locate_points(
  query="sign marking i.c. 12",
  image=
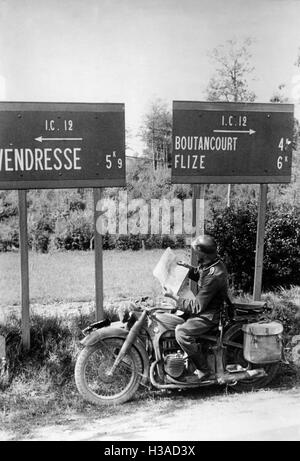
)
(232, 142)
(78, 145)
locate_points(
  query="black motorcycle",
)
(141, 349)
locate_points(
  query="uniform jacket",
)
(212, 291)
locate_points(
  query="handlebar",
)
(159, 308)
(156, 308)
(140, 305)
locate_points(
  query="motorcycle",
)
(141, 349)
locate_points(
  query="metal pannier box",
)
(263, 342)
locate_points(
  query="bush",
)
(149, 242)
(153, 241)
(8, 204)
(167, 241)
(129, 242)
(9, 234)
(235, 232)
(282, 249)
(108, 241)
(40, 231)
(180, 241)
(146, 183)
(75, 232)
(285, 309)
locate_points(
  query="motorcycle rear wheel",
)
(92, 378)
(235, 355)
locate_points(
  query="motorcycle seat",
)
(250, 306)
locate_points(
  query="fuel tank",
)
(169, 321)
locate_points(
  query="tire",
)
(235, 355)
(90, 373)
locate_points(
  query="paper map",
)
(168, 272)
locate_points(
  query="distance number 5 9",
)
(109, 161)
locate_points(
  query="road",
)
(271, 415)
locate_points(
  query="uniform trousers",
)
(186, 335)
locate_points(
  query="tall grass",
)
(39, 384)
(285, 307)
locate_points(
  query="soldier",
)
(204, 311)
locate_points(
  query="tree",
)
(156, 132)
(288, 193)
(279, 94)
(229, 83)
(296, 95)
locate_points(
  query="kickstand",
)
(228, 385)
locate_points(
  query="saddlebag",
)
(263, 342)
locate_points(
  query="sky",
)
(134, 51)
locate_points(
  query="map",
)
(169, 274)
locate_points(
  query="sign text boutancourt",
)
(222, 142)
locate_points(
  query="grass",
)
(26, 406)
(31, 403)
(70, 276)
(41, 389)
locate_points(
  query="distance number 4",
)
(283, 143)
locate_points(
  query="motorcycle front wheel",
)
(92, 376)
(234, 355)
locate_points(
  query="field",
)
(70, 276)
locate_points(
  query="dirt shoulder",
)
(205, 414)
(262, 415)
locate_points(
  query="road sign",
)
(61, 145)
(232, 142)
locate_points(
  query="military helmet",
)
(205, 243)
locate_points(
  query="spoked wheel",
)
(92, 376)
(234, 355)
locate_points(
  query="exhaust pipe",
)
(175, 385)
(228, 378)
(225, 378)
(158, 385)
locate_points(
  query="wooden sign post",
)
(2, 348)
(98, 258)
(259, 253)
(233, 143)
(55, 146)
(197, 223)
(25, 316)
(2, 355)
